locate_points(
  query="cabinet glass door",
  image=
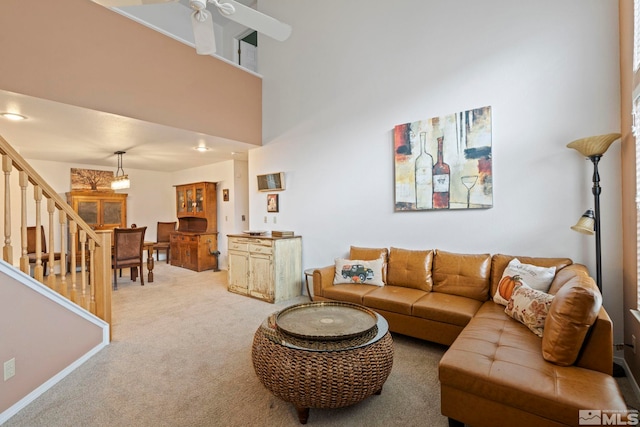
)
(190, 201)
(199, 199)
(88, 211)
(181, 200)
(112, 213)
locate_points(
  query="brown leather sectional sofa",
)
(496, 372)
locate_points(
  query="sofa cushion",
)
(572, 312)
(499, 262)
(463, 275)
(369, 254)
(396, 299)
(564, 275)
(498, 359)
(530, 307)
(535, 277)
(358, 271)
(348, 293)
(446, 308)
(410, 269)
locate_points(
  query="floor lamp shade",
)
(586, 223)
(594, 145)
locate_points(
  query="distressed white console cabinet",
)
(264, 267)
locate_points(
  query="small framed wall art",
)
(225, 194)
(272, 203)
(90, 179)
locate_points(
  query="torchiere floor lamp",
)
(593, 148)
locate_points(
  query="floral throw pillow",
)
(530, 307)
(535, 277)
(358, 271)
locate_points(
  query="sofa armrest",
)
(597, 349)
(323, 279)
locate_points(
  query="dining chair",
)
(127, 252)
(31, 248)
(163, 236)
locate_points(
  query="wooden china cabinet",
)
(195, 243)
(100, 210)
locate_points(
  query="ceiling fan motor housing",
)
(198, 4)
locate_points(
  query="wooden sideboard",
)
(195, 243)
(267, 268)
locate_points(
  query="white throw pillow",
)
(358, 271)
(538, 278)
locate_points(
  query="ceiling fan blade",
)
(124, 3)
(204, 37)
(260, 22)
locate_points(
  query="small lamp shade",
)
(594, 145)
(585, 224)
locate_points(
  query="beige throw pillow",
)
(529, 307)
(358, 272)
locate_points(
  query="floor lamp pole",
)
(596, 190)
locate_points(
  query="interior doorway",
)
(246, 50)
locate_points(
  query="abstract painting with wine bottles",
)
(444, 162)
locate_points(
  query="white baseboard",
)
(22, 403)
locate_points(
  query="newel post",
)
(7, 250)
(103, 277)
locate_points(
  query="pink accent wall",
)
(80, 53)
(43, 337)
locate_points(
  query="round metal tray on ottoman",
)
(323, 355)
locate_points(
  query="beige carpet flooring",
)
(181, 356)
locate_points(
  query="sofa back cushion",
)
(565, 275)
(573, 310)
(370, 254)
(410, 269)
(499, 262)
(463, 275)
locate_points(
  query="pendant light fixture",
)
(121, 181)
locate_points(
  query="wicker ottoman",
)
(322, 373)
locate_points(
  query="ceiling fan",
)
(202, 21)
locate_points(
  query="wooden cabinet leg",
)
(303, 414)
(455, 423)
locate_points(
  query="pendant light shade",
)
(121, 180)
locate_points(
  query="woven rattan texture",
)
(328, 379)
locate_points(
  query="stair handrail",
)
(34, 178)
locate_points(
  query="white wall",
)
(353, 70)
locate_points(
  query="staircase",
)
(83, 272)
